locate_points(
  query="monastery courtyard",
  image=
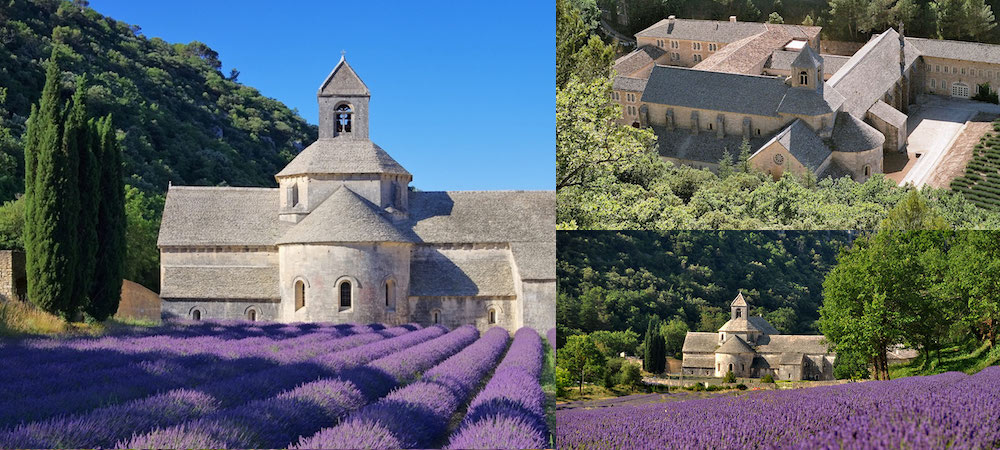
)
(942, 134)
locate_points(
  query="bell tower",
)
(739, 308)
(807, 70)
(343, 104)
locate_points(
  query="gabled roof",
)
(785, 343)
(214, 216)
(700, 342)
(807, 59)
(809, 102)
(890, 115)
(717, 91)
(762, 324)
(342, 155)
(343, 81)
(739, 300)
(639, 58)
(699, 361)
(851, 134)
(871, 72)
(791, 358)
(802, 143)
(782, 60)
(535, 260)
(734, 345)
(629, 84)
(957, 50)
(720, 31)
(343, 217)
(482, 217)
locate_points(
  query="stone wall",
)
(13, 284)
(218, 310)
(538, 305)
(137, 302)
(944, 72)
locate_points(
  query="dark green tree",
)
(52, 204)
(105, 292)
(81, 138)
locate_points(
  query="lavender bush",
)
(417, 416)
(510, 410)
(950, 410)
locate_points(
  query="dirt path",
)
(953, 162)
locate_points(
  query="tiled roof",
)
(750, 54)
(717, 91)
(342, 155)
(461, 273)
(803, 144)
(782, 60)
(958, 50)
(628, 84)
(851, 134)
(719, 31)
(807, 58)
(762, 324)
(482, 216)
(343, 217)
(785, 343)
(704, 147)
(535, 260)
(637, 59)
(235, 282)
(886, 112)
(734, 345)
(739, 300)
(791, 358)
(700, 342)
(807, 102)
(699, 361)
(215, 216)
(871, 72)
(738, 325)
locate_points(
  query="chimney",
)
(670, 19)
(732, 19)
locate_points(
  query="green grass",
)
(24, 319)
(968, 359)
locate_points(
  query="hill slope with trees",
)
(178, 117)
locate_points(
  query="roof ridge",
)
(228, 188)
(860, 54)
(766, 77)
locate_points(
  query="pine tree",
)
(107, 283)
(52, 207)
(82, 141)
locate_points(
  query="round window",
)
(779, 158)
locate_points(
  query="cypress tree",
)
(659, 352)
(649, 356)
(107, 284)
(82, 141)
(53, 204)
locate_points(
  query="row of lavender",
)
(950, 410)
(272, 406)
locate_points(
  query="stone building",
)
(344, 239)
(705, 86)
(13, 281)
(750, 347)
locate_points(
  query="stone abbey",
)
(345, 239)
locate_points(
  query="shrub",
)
(767, 379)
(714, 387)
(698, 387)
(741, 387)
(729, 378)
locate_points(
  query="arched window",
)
(343, 119)
(493, 316)
(738, 313)
(196, 314)
(803, 78)
(390, 294)
(300, 294)
(868, 170)
(436, 316)
(345, 294)
(730, 367)
(252, 315)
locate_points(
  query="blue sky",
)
(463, 93)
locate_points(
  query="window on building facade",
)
(252, 315)
(963, 71)
(343, 116)
(493, 316)
(436, 316)
(696, 46)
(674, 44)
(390, 294)
(697, 58)
(868, 170)
(196, 314)
(713, 47)
(675, 56)
(300, 294)
(710, 125)
(345, 294)
(803, 78)
(933, 83)
(937, 68)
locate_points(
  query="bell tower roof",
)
(807, 59)
(343, 81)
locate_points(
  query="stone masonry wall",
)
(13, 285)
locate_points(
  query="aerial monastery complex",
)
(345, 239)
(705, 86)
(749, 346)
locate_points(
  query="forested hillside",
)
(618, 280)
(178, 117)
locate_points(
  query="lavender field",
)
(950, 410)
(268, 385)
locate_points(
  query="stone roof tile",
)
(217, 216)
(719, 31)
(535, 260)
(621, 83)
(717, 91)
(957, 50)
(802, 143)
(734, 345)
(700, 342)
(871, 72)
(637, 59)
(785, 343)
(342, 155)
(851, 134)
(482, 216)
(343, 217)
